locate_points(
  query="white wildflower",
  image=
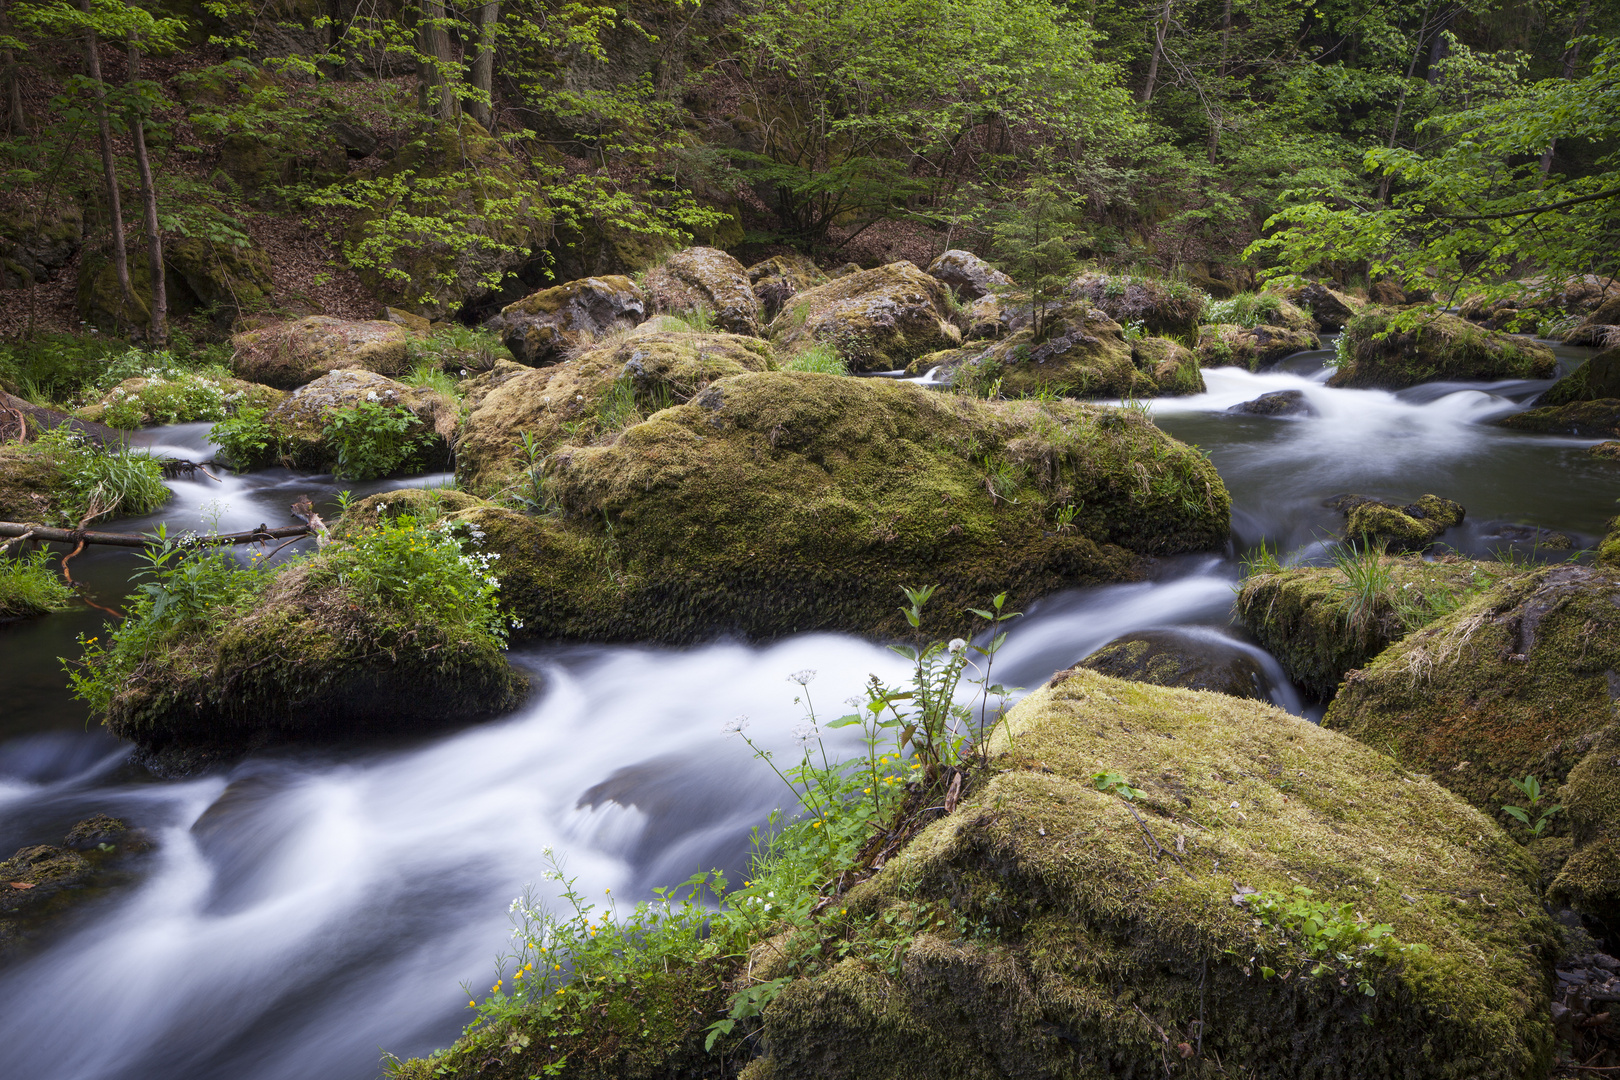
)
(802, 677)
(735, 725)
(956, 645)
(805, 733)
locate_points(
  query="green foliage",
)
(100, 481)
(243, 439)
(1245, 309)
(1035, 240)
(1366, 580)
(372, 439)
(29, 586)
(1112, 783)
(457, 349)
(1262, 559)
(822, 357)
(52, 368)
(1336, 941)
(1530, 787)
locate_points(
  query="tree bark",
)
(158, 333)
(483, 68)
(15, 122)
(1161, 27)
(1400, 104)
(1214, 120)
(115, 210)
(434, 95)
(1572, 60)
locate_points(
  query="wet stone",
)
(1188, 659)
(1277, 403)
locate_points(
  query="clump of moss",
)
(1160, 307)
(176, 398)
(42, 881)
(1385, 350)
(1084, 355)
(1413, 527)
(1257, 348)
(1051, 928)
(1519, 681)
(1321, 622)
(1173, 367)
(1594, 380)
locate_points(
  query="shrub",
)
(372, 439)
(457, 348)
(243, 439)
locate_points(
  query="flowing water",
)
(306, 909)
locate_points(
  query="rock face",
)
(219, 279)
(1331, 309)
(780, 502)
(1378, 354)
(1598, 378)
(1412, 527)
(1320, 625)
(649, 369)
(1183, 658)
(1049, 899)
(878, 320)
(708, 278)
(1584, 419)
(1162, 307)
(1520, 681)
(1277, 403)
(287, 355)
(780, 278)
(541, 328)
(1256, 348)
(1084, 355)
(299, 422)
(969, 276)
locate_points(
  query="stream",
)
(309, 908)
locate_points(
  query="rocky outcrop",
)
(1161, 307)
(780, 278)
(1260, 309)
(1257, 348)
(1173, 367)
(1190, 659)
(37, 242)
(1412, 527)
(969, 276)
(543, 327)
(1330, 308)
(877, 320)
(289, 354)
(220, 281)
(709, 279)
(1383, 351)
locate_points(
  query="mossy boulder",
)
(1173, 367)
(780, 278)
(705, 277)
(967, 275)
(1412, 527)
(1261, 309)
(1330, 308)
(1046, 929)
(1277, 403)
(572, 401)
(1519, 681)
(878, 320)
(158, 399)
(1600, 329)
(298, 424)
(289, 354)
(220, 281)
(1386, 351)
(1190, 659)
(543, 327)
(308, 661)
(1585, 419)
(38, 241)
(780, 502)
(1257, 348)
(31, 484)
(1320, 624)
(1597, 378)
(1161, 307)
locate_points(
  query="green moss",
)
(1609, 550)
(1519, 681)
(176, 399)
(1162, 307)
(1407, 528)
(1585, 419)
(32, 487)
(1597, 378)
(296, 429)
(1047, 935)
(1085, 355)
(878, 320)
(706, 278)
(1309, 619)
(289, 354)
(1179, 658)
(1173, 367)
(1389, 351)
(1256, 348)
(30, 587)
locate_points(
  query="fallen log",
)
(136, 540)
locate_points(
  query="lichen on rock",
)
(969, 276)
(287, 355)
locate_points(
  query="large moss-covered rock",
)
(1320, 624)
(599, 393)
(708, 278)
(1162, 307)
(1597, 378)
(543, 327)
(780, 278)
(308, 660)
(1600, 329)
(1598, 419)
(1190, 659)
(1412, 527)
(1385, 351)
(878, 320)
(220, 281)
(1254, 347)
(967, 275)
(1046, 929)
(38, 241)
(1520, 681)
(1173, 367)
(779, 502)
(31, 484)
(298, 424)
(289, 354)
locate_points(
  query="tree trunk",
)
(1400, 104)
(1161, 27)
(136, 118)
(1572, 60)
(483, 68)
(434, 94)
(1214, 118)
(15, 123)
(334, 37)
(115, 210)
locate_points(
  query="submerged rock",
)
(705, 277)
(1380, 353)
(1278, 403)
(599, 394)
(877, 320)
(541, 328)
(1584, 419)
(1607, 450)
(1412, 527)
(1161, 307)
(1048, 927)
(1519, 681)
(780, 278)
(42, 882)
(969, 276)
(289, 354)
(1184, 658)
(1257, 348)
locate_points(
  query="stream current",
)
(306, 909)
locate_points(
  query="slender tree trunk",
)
(1161, 27)
(334, 37)
(1214, 118)
(115, 210)
(15, 123)
(483, 68)
(1400, 104)
(136, 119)
(433, 86)
(1572, 60)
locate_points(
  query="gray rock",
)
(969, 276)
(542, 327)
(1277, 403)
(1189, 659)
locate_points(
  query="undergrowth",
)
(100, 481)
(29, 586)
